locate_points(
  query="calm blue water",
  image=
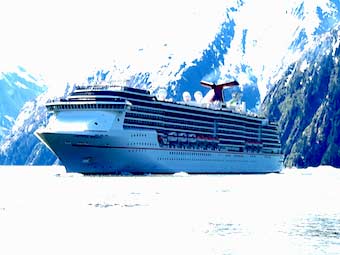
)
(43, 210)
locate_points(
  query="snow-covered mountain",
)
(255, 44)
(21, 146)
(267, 40)
(16, 88)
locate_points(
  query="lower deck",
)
(115, 154)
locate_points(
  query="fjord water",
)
(44, 210)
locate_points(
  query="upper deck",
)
(108, 88)
(122, 97)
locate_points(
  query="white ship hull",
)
(113, 130)
(138, 152)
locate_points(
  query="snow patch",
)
(304, 65)
(21, 85)
(266, 48)
(9, 118)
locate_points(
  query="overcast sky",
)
(64, 39)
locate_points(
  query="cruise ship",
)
(118, 129)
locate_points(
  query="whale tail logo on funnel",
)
(216, 92)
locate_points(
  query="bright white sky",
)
(67, 39)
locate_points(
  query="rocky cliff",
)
(306, 104)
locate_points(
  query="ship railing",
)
(74, 105)
(56, 100)
(101, 86)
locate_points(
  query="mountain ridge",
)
(306, 104)
(17, 87)
(237, 52)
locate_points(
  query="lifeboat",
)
(162, 138)
(201, 139)
(182, 137)
(192, 138)
(172, 137)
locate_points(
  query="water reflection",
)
(318, 230)
(223, 229)
(319, 226)
(303, 235)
